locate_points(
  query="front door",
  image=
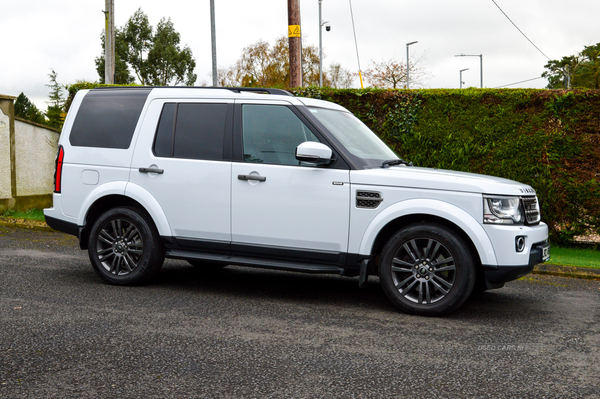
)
(282, 208)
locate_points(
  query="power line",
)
(516, 83)
(515, 25)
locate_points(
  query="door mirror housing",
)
(314, 152)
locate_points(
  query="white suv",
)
(232, 176)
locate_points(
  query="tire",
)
(124, 247)
(426, 269)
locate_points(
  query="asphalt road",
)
(250, 333)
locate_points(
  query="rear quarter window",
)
(107, 118)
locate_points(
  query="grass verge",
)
(579, 257)
(30, 214)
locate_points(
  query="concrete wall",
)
(27, 156)
(35, 153)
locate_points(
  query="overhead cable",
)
(515, 25)
(516, 83)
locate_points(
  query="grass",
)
(579, 257)
(31, 214)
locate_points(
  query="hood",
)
(439, 179)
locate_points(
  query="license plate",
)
(545, 252)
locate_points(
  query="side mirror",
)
(313, 152)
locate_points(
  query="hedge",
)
(549, 139)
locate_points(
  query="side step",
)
(253, 262)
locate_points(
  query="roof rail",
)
(259, 90)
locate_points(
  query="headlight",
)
(502, 210)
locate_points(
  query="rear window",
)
(107, 118)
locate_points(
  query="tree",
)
(391, 74)
(339, 77)
(122, 73)
(590, 67)
(581, 70)
(261, 65)
(170, 63)
(55, 112)
(25, 109)
(156, 58)
(137, 35)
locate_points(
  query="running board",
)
(253, 262)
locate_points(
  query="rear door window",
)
(193, 131)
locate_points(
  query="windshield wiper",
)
(393, 162)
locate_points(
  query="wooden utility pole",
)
(213, 36)
(295, 43)
(109, 42)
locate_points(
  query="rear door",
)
(184, 161)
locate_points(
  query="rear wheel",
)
(124, 247)
(426, 269)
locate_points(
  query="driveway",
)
(249, 333)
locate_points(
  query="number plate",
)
(545, 252)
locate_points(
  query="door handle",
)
(252, 177)
(152, 170)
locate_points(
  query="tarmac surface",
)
(253, 333)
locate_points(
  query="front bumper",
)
(538, 253)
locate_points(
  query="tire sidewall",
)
(465, 270)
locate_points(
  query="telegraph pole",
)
(295, 43)
(109, 42)
(214, 43)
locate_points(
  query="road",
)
(250, 333)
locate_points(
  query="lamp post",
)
(461, 81)
(328, 28)
(408, 66)
(480, 64)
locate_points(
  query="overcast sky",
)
(64, 35)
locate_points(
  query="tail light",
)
(58, 169)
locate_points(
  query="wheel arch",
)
(428, 211)
(140, 200)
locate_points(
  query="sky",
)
(64, 35)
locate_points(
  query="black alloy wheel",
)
(427, 269)
(124, 247)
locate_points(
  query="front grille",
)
(368, 199)
(532, 209)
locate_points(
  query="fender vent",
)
(368, 199)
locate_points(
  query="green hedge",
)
(549, 139)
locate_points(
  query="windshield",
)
(364, 145)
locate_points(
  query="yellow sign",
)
(294, 31)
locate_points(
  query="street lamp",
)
(327, 28)
(461, 81)
(480, 64)
(408, 66)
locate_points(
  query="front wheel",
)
(426, 269)
(124, 247)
